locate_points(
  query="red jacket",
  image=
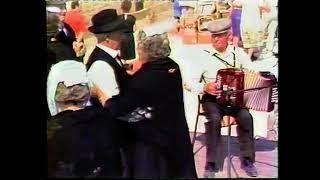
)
(77, 21)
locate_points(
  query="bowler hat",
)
(106, 21)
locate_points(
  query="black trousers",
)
(142, 160)
(215, 113)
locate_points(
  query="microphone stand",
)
(228, 94)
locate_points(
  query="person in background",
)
(177, 9)
(270, 18)
(57, 50)
(128, 50)
(77, 21)
(235, 13)
(250, 24)
(177, 12)
(66, 35)
(139, 5)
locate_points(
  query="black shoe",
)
(249, 168)
(209, 170)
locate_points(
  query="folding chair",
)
(227, 121)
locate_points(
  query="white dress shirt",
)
(102, 74)
(210, 65)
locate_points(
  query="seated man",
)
(81, 140)
(223, 56)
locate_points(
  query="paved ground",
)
(266, 158)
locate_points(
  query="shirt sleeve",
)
(102, 75)
(244, 59)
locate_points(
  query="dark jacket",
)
(128, 44)
(85, 141)
(120, 73)
(68, 38)
(139, 5)
(56, 52)
(158, 84)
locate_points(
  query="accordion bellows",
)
(263, 99)
(256, 99)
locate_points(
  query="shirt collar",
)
(113, 53)
(229, 50)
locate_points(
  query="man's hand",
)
(79, 48)
(211, 88)
(136, 65)
(96, 92)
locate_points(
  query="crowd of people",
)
(254, 22)
(110, 118)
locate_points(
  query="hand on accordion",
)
(212, 88)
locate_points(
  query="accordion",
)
(247, 89)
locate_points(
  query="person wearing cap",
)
(160, 144)
(81, 140)
(222, 56)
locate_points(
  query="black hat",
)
(106, 21)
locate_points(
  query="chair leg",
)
(229, 148)
(195, 131)
(195, 127)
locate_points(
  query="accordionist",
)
(223, 56)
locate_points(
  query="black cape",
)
(84, 141)
(159, 84)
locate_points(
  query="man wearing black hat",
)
(223, 56)
(104, 65)
(105, 69)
